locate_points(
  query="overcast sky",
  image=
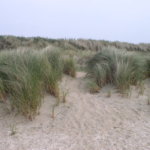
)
(122, 20)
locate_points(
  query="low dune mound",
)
(102, 121)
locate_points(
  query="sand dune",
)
(84, 122)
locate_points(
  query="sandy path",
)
(85, 122)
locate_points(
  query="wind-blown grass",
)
(69, 67)
(93, 87)
(55, 59)
(55, 73)
(24, 76)
(120, 68)
(21, 85)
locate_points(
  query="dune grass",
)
(24, 77)
(118, 67)
(55, 73)
(93, 87)
(69, 67)
(22, 82)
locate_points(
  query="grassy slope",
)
(25, 75)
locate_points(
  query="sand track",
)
(85, 122)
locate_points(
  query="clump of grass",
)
(93, 87)
(64, 95)
(54, 106)
(56, 61)
(52, 84)
(55, 72)
(25, 75)
(69, 67)
(126, 93)
(101, 66)
(23, 88)
(120, 68)
(13, 130)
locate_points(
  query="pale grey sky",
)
(123, 20)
